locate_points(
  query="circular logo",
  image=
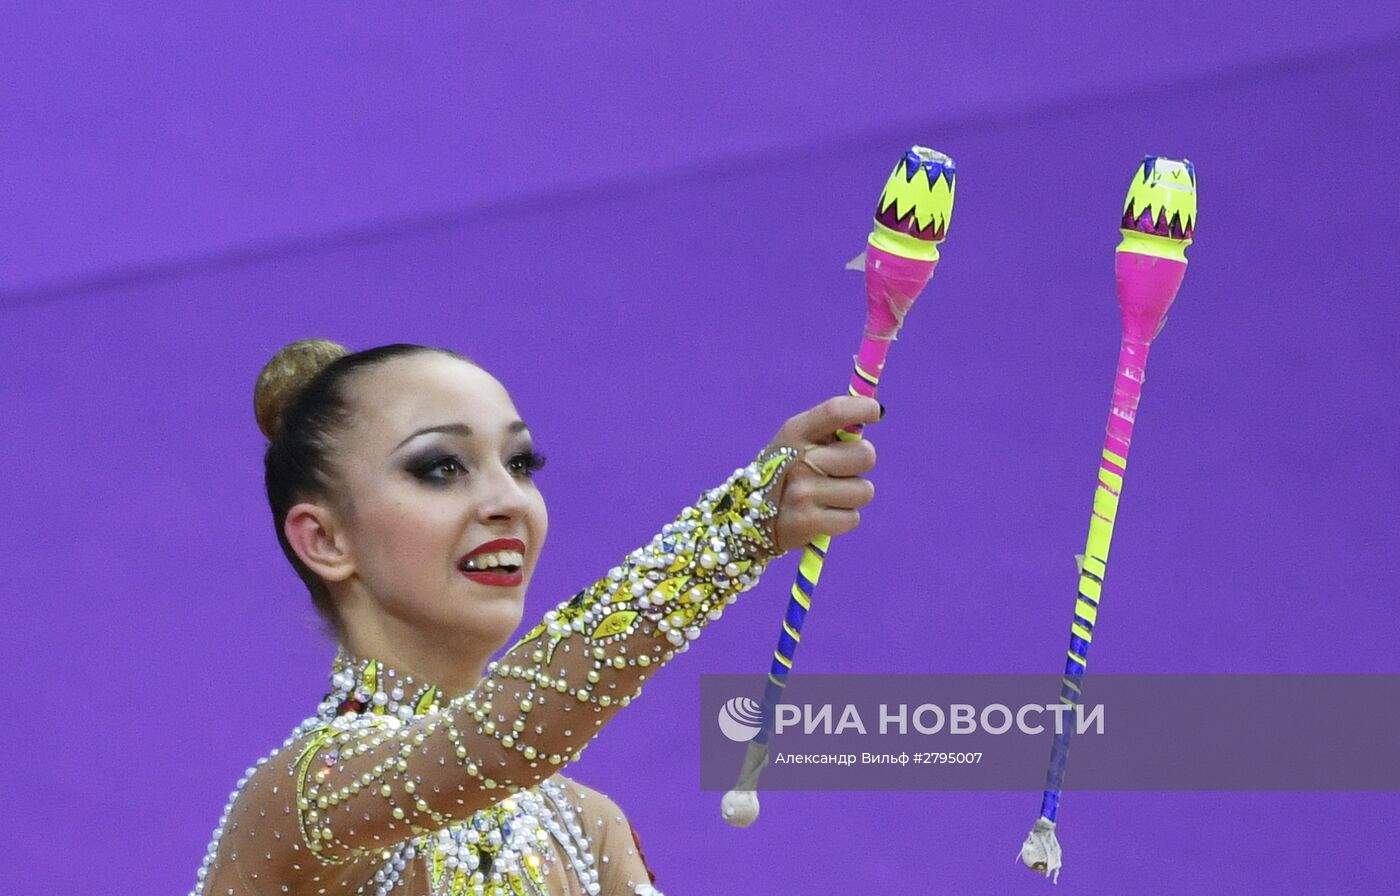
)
(740, 719)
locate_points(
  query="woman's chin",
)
(495, 617)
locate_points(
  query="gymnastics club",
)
(911, 219)
(1159, 222)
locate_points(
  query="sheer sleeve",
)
(612, 843)
(364, 782)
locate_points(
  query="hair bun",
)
(283, 377)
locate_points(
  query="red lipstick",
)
(501, 576)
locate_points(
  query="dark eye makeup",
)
(438, 467)
(527, 463)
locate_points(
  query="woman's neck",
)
(455, 665)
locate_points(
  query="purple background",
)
(578, 192)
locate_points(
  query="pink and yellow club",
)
(911, 219)
(1158, 223)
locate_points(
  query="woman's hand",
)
(822, 492)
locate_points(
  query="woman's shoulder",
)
(597, 813)
(613, 838)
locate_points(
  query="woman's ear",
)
(314, 532)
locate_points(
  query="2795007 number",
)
(947, 758)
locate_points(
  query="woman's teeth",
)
(492, 561)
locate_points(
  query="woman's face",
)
(437, 503)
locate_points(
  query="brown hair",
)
(301, 402)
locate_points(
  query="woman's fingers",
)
(815, 493)
(818, 425)
(823, 493)
(838, 522)
(844, 494)
(841, 458)
(797, 527)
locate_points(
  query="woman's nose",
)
(501, 496)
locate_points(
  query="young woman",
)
(400, 482)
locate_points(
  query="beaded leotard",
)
(390, 788)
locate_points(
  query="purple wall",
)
(185, 191)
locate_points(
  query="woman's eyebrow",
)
(460, 429)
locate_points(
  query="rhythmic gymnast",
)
(401, 484)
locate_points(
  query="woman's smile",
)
(499, 562)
